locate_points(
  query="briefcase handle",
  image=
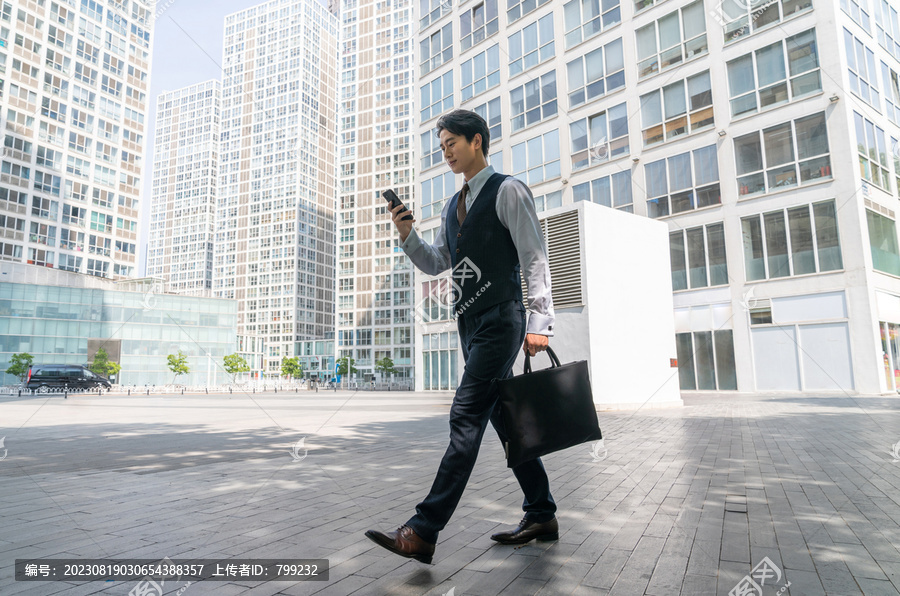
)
(554, 361)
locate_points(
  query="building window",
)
(550, 200)
(481, 72)
(435, 192)
(671, 40)
(706, 360)
(47, 183)
(770, 159)
(609, 191)
(586, 18)
(98, 268)
(793, 241)
(775, 74)
(677, 109)
(887, 28)
(531, 45)
(70, 263)
(478, 23)
(537, 159)
(596, 73)
(39, 256)
(516, 9)
(46, 208)
(858, 11)
(683, 182)
(863, 75)
(891, 93)
(599, 137)
(895, 152)
(431, 150)
(437, 96)
(101, 222)
(883, 243)
(745, 18)
(534, 101)
(432, 10)
(16, 170)
(698, 257)
(490, 111)
(873, 163)
(436, 49)
(439, 358)
(42, 234)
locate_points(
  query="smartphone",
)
(390, 196)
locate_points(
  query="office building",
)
(185, 172)
(73, 100)
(772, 158)
(376, 132)
(61, 317)
(275, 214)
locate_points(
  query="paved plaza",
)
(727, 495)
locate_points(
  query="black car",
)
(46, 377)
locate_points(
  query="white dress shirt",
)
(515, 210)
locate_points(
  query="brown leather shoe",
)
(404, 542)
(527, 531)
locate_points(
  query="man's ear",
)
(477, 140)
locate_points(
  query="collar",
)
(477, 182)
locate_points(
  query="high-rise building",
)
(275, 221)
(73, 99)
(773, 160)
(376, 153)
(185, 172)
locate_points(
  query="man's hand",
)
(404, 227)
(535, 343)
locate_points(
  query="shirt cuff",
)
(539, 324)
(412, 242)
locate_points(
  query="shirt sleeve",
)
(515, 209)
(430, 258)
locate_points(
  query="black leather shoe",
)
(404, 542)
(528, 531)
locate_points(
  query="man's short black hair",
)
(468, 124)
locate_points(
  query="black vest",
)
(484, 258)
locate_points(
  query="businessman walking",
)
(489, 234)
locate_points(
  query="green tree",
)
(102, 365)
(234, 364)
(178, 364)
(385, 366)
(345, 366)
(114, 369)
(19, 364)
(291, 367)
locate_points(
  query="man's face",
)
(459, 153)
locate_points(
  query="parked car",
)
(45, 377)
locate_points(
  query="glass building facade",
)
(56, 323)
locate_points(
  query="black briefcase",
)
(547, 410)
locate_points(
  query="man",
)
(489, 232)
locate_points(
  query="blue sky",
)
(187, 49)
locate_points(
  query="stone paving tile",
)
(687, 500)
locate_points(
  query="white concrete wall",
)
(626, 328)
